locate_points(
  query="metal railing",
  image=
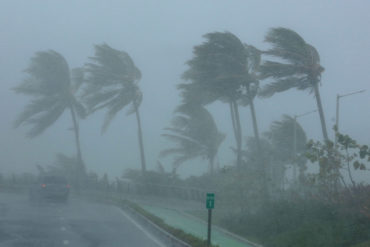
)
(179, 192)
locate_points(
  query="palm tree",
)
(112, 84)
(289, 140)
(298, 67)
(66, 166)
(196, 135)
(217, 72)
(251, 84)
(53, 88)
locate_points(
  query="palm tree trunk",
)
(140, 136)
(239, 134)
(321, 112)
(254, 120)
(261, 162)
(76, 131)
(81, 171)
(233, 120)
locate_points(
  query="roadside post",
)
(210, 204)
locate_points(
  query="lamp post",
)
(337, 112)
(295, 141)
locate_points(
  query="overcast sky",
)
(159, 36)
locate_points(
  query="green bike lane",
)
(196, 226)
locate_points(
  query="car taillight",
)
(43, 185)
(68, 186)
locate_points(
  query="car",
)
(50, 187)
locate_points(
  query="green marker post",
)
(210, 204)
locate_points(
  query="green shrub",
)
(301, 223)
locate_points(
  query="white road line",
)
(149, 235)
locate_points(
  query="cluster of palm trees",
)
(109, 81)
(223, 69)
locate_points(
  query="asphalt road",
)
(75, 223)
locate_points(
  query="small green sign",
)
(210, 202)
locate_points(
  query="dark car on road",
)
(50, 187)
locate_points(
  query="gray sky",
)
(159, 36)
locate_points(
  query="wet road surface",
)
(75, 223)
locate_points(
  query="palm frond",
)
(282, 136)
(177, 131)
(280, 70)
(194, 133)
(77, 78)
(179, 160)
(253, 58)
(111, 83)
(96, 101)
(171, 151)
(278, 86)
(183, 140)
(36, 106)
(301, 62)
(287, 44)
(49, 72)
(217, 68)
(115, 105)
(44, 120)
(111, 65)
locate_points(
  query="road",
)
(75, 223)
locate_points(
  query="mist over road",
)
(76, 223)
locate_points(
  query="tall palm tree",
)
(53, 89)
(251, 84)
(196, 135)
(112, 84)
(217, 72)
(289, 140)
(298, 67)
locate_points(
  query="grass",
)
(189, 238)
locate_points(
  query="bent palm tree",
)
(251, 84)
(53, 90)
(289, 140)
(196, 135)
(217, 72)
(112, 84)
(299, 67)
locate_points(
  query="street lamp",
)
(295, 140)
(337, 112)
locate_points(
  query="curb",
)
(226, 232)
(164, 236)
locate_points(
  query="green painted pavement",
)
(193, 226)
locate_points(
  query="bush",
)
(302, 222)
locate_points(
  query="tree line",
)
(222, 69)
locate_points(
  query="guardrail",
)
(180, 192)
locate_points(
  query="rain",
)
(184, 123)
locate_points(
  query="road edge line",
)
(147, 233)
